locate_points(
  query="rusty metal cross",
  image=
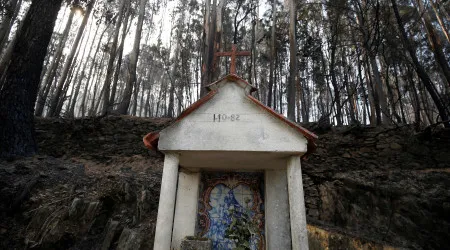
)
(233, 54)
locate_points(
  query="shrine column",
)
(297, 208)
(276, 207)
(164, 223)
(186, 206)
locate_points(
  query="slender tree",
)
(293, 76)
(131, 81)
(112, 57)
(426, 81)
(53, 110)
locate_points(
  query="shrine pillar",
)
(297, 208)
(186, 206)
(278, 226)
(166, 206)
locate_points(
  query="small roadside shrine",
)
(232, 173)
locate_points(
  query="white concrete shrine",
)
(229, 131)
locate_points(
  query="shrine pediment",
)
(230, 119)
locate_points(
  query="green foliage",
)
(242, 228)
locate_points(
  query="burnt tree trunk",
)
(52, 68)
(22, 77)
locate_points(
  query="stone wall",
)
(384, 184)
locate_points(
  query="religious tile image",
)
(231, 210)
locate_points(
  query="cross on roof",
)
(233, 54)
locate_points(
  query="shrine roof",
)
(232, 78)
(152, 138)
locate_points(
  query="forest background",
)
(336, 62)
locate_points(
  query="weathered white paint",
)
(166, 206)
(186, 206)
(278, 227)
(255, 129)
(297, 209)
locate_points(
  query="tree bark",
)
(293, 75)
(134, 56)
(208, 44)
(272, 56)
(135, 96)
(52, 68)
(21, 79)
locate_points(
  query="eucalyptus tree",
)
(293, 77)
(112, 56)
(53, 109)
(434, 41)
(131, 81)
(422, 74)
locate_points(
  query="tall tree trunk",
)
(84, 105)
(208, 51)
(11, 10)
(7, 54)
(434, 41)
(370, 92)
(441, 22)
(272, 56)
(67, 65)
(380, 97)
(134, 56)
(52, 68)
(141, 101)
(135, 96)
(391, 96)
(115, 80)
(426, 81)
(293, 73)
(63, 98)
(336, 88)
(71, 112)
(399, 94)
(21, 81)
(88, 80)
(112, 57)
(350, 91)
(218, 36)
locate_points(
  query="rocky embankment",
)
(95, 186)
(386, 184)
